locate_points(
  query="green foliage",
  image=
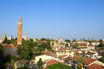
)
(80, 59)
(25, 54)
(79, 66)
(66, 45)
(40, 63)
(29, 49)
(101, 43)
(31, 40)
(12, 41)
(67, 41)
(26, 50)
(75, 46)
(100, 46)
(102, 58)
(44, 46)
(13, 59)
(74, 40)
(2, 58)
(90, 42)
(59, 66)
(6, 41)
(10, 59)
(5, 59)
(19, 49)
(43, 39)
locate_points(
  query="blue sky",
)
(53, 18)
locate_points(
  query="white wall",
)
(43, 57)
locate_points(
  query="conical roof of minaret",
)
(20, 20)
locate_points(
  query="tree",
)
(12, 41)
(79, 66)
(31, 40)
(102, 58)
(2, 58)
(75, 46)
(74, 40)
(40, 63)
(43, 39)
(67, 41)
(25, 54)
(90, 42)
(6, 41)
(80, 59)
(66, 44)
(44, 46)
(10, 60)
(6, 60)
(19, 49)
(28, 49)
(101, 43)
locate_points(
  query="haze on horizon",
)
(53, 18)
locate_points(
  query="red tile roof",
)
(95, 66)
(89, 60)
(8, 46)
(62, 56)
(71, 43)
(47, 52)
(62, 49)
(51, 62)
(82, 44)
(75, 52)
(91, 45)
(75, 58)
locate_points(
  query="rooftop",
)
(95, 66)
(89, 60)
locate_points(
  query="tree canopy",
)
(29, 49)
(2, 58)
(101, 43)
(40, 63)
(67, 41)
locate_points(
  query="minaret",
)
(19, 35)
(25, 36)
(4, 36)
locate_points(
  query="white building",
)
(64, 51)
(1, 41)
(91, 47)
(44, 58)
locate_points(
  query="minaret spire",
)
(25, 37)
(20, 20)
(19, 36)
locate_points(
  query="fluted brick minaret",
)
(19, 35)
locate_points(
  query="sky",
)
(67, 19)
